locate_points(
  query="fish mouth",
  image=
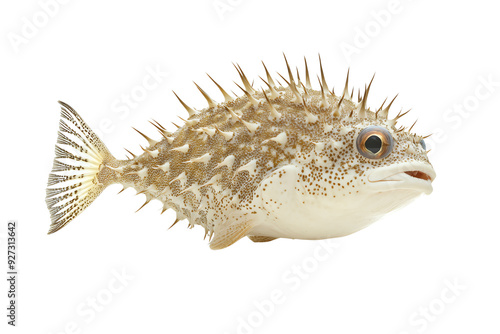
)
(419, 175)
(412, 175)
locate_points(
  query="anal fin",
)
(261, 238)
(227, 234)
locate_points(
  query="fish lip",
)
(408, 175)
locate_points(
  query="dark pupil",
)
(373, 144)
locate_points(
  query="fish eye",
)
(374, 142)
(422, 142)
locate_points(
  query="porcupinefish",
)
(283, 161)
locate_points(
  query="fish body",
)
(282, 162)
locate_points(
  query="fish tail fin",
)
(75, 180)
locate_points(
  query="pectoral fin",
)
(260, 238)
(227, 234)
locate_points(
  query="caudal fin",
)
(73, 183)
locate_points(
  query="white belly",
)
(290, 212)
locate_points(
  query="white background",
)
(392, 277)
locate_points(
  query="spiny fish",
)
(283, 161)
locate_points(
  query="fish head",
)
(347, 178)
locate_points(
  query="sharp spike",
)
(393, 121)
(299, 83)
(251, 127)
(211, 103)
(175, 222)
(274, 112)
(286, 81)
(178, 127)
(227, 97)
(209, 131)
(160, 129)
(181, 178)
(381, 106)
(190, 110)
(336, 111)
(282, 77)
(308, 82)
(147, 201)
(151, 142)
(244, 79)
(323, 81)
(269, 78)
(289, 70)
(132, 154)
(190, 122)
(352, 93)
(158, 125)
(248, 86)
(411, 127)
(363, 109)
(293, 88)
(385, 112)
(323, 98)
(164, 134)
(310, 117)
(227, 135)
(274, 93)
(399, 115)
(233, 114)
(346, 87)
(249, 96)
(153, 154)
(340, 101)
(184, 148)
